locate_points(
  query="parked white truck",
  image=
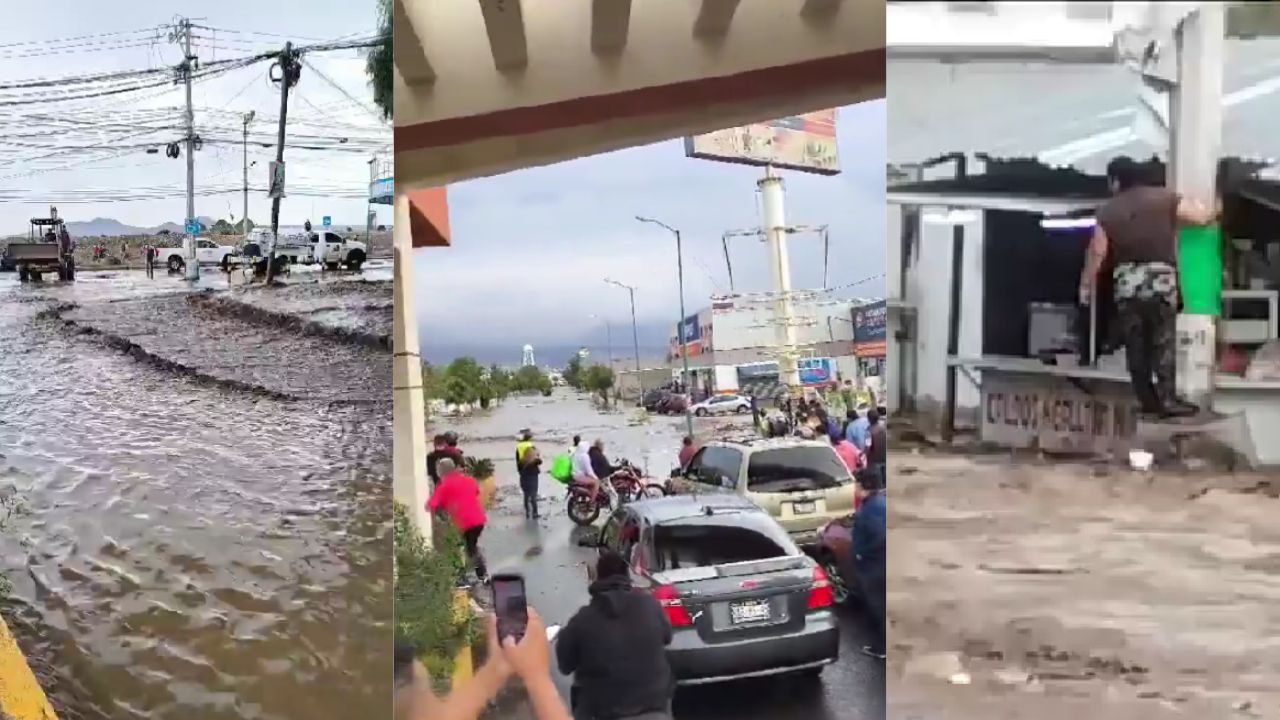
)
(208, 252)
(323, 247)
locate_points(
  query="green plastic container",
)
(1200, 270)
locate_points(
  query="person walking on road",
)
(528, 465)
(458, 497)
(151, 261)
(687, 451)
(615, 647)
(869, 555)
(1137, 231)
(877, 452)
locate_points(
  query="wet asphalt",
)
(548, 553)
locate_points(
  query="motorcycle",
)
(628, 481)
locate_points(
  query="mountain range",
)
(110, 227)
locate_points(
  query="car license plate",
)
(749, 611)
(804, 508)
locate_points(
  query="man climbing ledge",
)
(1138, 226)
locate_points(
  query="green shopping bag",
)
(562, 468)
(1200, 270)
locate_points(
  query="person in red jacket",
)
(458, 497)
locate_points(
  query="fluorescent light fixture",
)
(1061, 223)
(950, 217)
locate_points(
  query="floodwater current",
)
(207, 496)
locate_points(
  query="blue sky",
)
(531, 248)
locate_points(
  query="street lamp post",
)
(635, 334)
(608, 329)
(684, 340)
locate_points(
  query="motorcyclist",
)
(615, 647)
(583, 472)
(600, 462)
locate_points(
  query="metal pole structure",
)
(368, 204)
(188, 66)
(244, 219)
(289, 72)
(635, 333)
(1196, 139)
(953, 315)
(775, 227)
(684, 340)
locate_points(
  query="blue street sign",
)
(326, 221)
(193, 227)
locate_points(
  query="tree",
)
(531, 379)
(598, 379)
(463, 381)
(222, 227)
(500, 382)
(573, 372)
(379, 64)
(432, 382)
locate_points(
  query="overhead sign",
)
(869, 322)
(382, 192)
(799, 142)
(277, 180)
(326, 221)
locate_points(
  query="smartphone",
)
(510, 605)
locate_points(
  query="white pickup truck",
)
(208, 252)
(317, 248)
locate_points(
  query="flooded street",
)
(554, 565)
(208, 496)
(1034, 590)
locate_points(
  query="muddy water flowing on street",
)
(208, 502)
(554, 565)
(1069, 590)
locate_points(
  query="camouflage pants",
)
(1148, 327)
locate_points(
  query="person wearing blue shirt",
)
(869, 555)
(858, 430)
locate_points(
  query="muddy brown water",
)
(1063, 590)
(195, 546)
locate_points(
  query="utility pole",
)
(244, 219)
(368, 203)
(182, 33)
(290, 70)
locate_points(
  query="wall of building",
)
(928, 292)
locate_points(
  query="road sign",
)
(193, 227)
(326, 221)
(277, 180)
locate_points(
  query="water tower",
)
(526, 356)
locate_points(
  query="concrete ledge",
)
(21, 697)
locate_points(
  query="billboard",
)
(816, 371)
(868, 323)
(800, 142)
(382, 191)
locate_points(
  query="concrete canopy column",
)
(409, 416)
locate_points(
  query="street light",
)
(635, 334)
(684, 340)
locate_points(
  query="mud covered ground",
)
(1036, 591)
